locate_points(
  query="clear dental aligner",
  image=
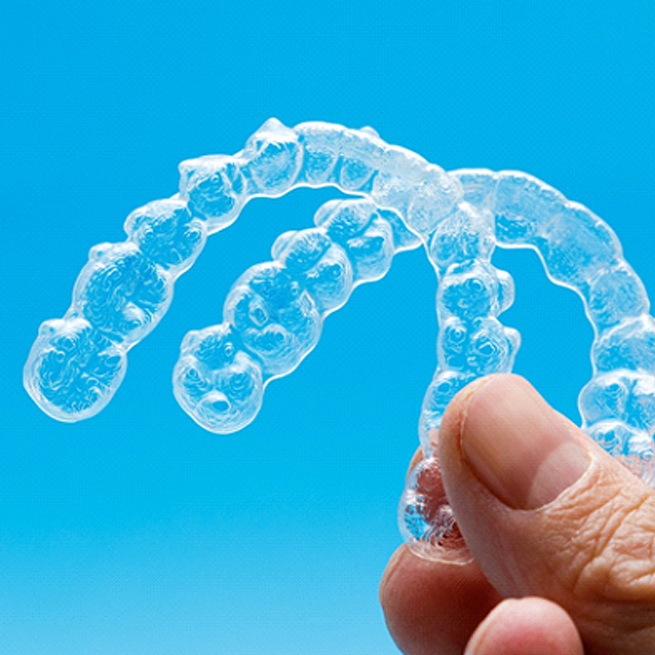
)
(273, 315)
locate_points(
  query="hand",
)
(558, 555)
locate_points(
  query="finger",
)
(546, 512)
(433, 606)
(529, 626)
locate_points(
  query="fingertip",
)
(433, 606)
(448, 444)
(526, 626)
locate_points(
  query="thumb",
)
(546, 512)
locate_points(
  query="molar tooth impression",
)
(273, 315)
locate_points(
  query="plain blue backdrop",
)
(136, 532)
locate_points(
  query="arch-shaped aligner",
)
(274, 312)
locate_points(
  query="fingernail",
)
(519, 447)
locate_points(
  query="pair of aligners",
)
(273, 314)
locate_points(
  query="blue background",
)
(136, 532)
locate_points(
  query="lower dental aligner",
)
(273, 315)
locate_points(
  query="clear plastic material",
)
(273, 315)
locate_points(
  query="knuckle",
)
(611, 552)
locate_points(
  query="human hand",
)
(559, 552)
